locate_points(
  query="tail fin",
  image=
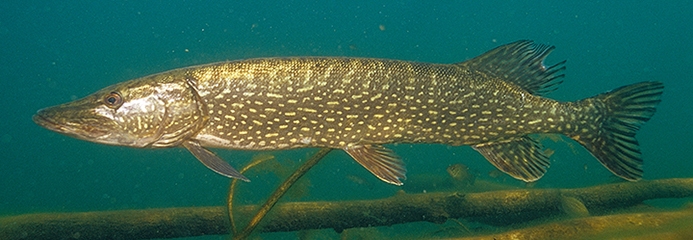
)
(623, 111)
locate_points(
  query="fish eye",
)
(113, 100)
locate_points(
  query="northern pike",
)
(492, 102)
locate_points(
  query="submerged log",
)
(498, 207)
(650, 225)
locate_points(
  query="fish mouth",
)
(44, 119)
(46, 122)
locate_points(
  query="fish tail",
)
(619, 115)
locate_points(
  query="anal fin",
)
(212, 161)
(380, 161)
(521, 158)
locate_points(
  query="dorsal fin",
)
(521, 63)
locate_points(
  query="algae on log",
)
(496, 207)
(650, 225)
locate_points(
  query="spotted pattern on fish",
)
(287, 104)
(491, 102)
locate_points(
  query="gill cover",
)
(155, 111)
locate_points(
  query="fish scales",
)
(284, 103)
(492, 102)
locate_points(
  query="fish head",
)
(154, 111)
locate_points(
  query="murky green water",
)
(55, 52)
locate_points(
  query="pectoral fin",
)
(212, 161)
(521, 158)
(380, 161)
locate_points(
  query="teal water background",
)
(54, 52)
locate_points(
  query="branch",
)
(499, 207)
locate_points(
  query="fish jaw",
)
(155, 111)
(87, 119)
(48, 119)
